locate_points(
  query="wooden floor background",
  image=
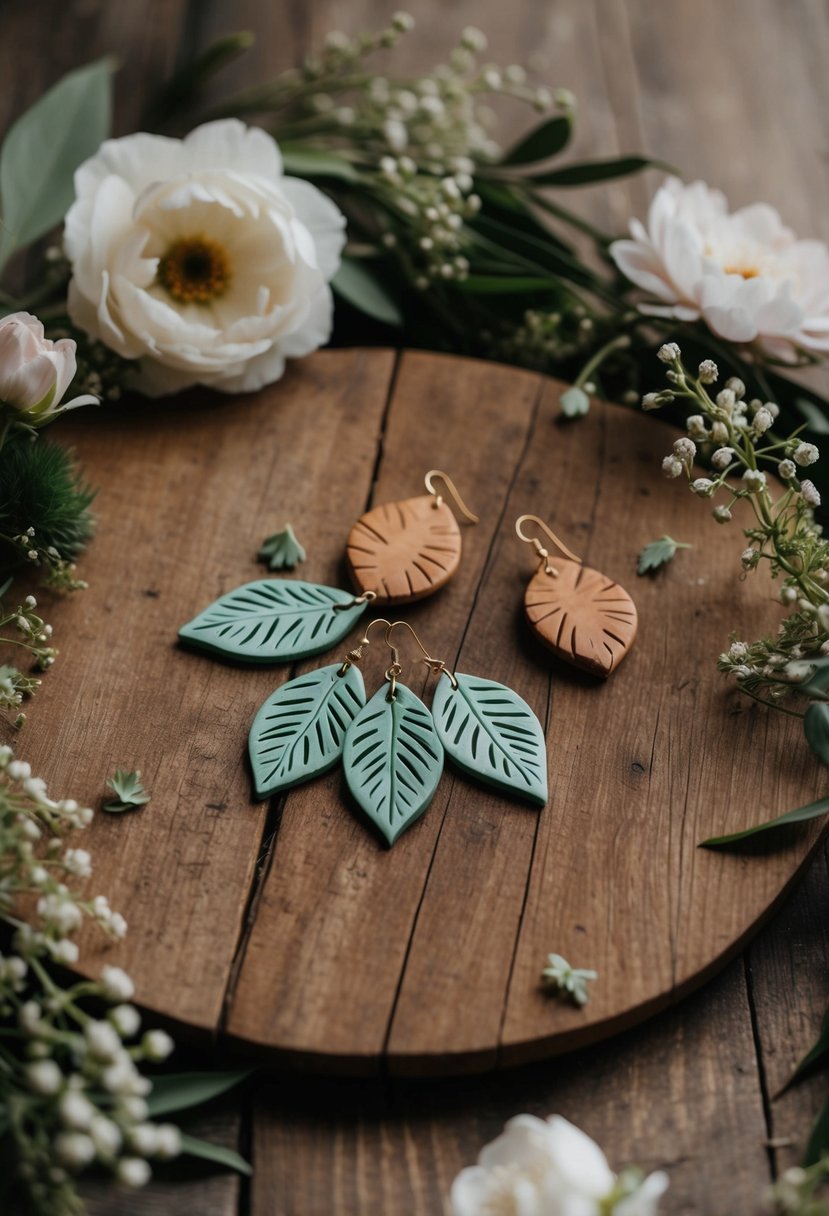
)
(736, 92)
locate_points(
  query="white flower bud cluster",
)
(82, 1065)
(435, 209)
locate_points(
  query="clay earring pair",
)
(583, 616)
(393, 747)
(396, 553)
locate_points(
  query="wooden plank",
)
(187, 492)
(685, 1097)
(647, 766)
(335, 905)
(788, 971)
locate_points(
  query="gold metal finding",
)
(356, 654)
(365, 598)
(453, 490)
(436, 666)
(537, 545)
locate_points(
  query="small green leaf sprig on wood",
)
(560, 976)
(130, 793)
(282, 551)
(658, 553)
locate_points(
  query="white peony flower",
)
(743, 272)
(34, 372)
(197, 258)
(541, 1167)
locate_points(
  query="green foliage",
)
(802, 815)
(41, 488)
(545, 141)
(658, 553)
(366, 292)
(43, 149)
(129, 791)
(816, 727)
(217, 1154)
(172, 1092)
(282, 550)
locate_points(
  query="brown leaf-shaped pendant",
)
(582, 616)
(404, 551)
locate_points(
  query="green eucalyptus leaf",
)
(545, 141)
(531, 252)
(393, 760)
(492, 734)
(218, 1154)
(818, 1144)
(43, 149)
(816, 727)
(308, 162)
(802, 815)
(574, 402)
(811, 675)
(588, 171)
(184, 1090)
(186, 87)
(363, 290)
(299, 731)
(274, 620)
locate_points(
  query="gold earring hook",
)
(436, 666)
(356, 654)
(537, 545)
(453, 490)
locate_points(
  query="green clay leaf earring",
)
(299, 731)
(488, 731)
(275, 621)
(393, 758)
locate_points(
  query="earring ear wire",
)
(436, 666)
(537, 545)
(453, 490)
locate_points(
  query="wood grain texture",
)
(220, 933)
(404, 551)
(187, 492)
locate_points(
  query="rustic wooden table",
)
(733, 93)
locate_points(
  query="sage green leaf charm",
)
(274, 620)
(393, 760)
(492, 734)
(299, 731)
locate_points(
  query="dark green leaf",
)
(504, 285)
(185, 88)
(308, 162)
(585, 172)
(574, 402)
(533, 253)
(507, 202)
(183, 1090)
(816, 727)
(43, 149)
(5, 586)
(802, 815)
(363, 290)
(216, 1153)
(546, 140)
(812, 674)
(819, 1138)
(657, 553)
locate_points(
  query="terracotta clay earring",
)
(407, 550)
(583, 616)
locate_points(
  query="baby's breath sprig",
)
(21, 627)
(736, 438)
(72, 1093)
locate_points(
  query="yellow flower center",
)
(194, 270)
(748, 272)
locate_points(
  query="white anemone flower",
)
(199, 259)
(548, 1167)
(743, 272)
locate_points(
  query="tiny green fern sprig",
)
(735, 437)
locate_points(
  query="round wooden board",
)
(291, 928)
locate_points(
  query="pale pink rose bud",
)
(34, 372)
